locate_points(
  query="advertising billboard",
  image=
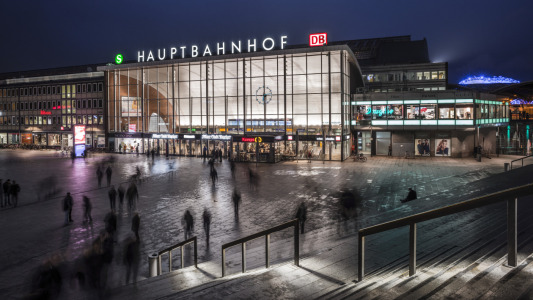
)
(131, 106)
(79, 135)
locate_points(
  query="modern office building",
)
(41, 107)
(256, 106)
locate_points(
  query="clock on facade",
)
(263, 95)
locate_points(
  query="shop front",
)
(256, 149)
(128, 142)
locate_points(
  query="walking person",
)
(121, 192)
(207, 223)
(232, 168)
(131, 255)
(236, 198)
(189, 224)
(87, 207)
(1, 196)
(135, 224)
(214, 175)
(108, 172)
(112, 198)
(132, 195)
(301, 215)
(7, 187)
(14, 191)
(110, 221)
(390, 150)
(67, 208)
(99, 175)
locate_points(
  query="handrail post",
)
(243, 249)
(361, 258)
(297, 244)
(159, 271)
(170, 261)
(512, 259)
(182, 259)
(195, 253)
(412, 249)
(223, 262)
(267, 250)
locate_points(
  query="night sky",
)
(475, 37)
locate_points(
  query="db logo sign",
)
(318, 39)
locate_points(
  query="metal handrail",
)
(522, 159)
(169, 250)
(510, 195)
(265, 233)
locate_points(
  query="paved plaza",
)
(34, 230)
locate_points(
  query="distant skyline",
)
(491, 38)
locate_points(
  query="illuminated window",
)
(442, 75)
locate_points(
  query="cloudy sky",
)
(475, 37)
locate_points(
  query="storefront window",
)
(364, 112)
(412, 111)
(427, 112)
(396, 112)
(446, 112)
(465, 111)
(379, 112)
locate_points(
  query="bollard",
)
(152, 264)
(506, 167)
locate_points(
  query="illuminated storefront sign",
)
(289, 138)
(43, 112)
(189, 136)
(132, 128)
(79, 135)
(248, 139)
(250, 45)
(216, 137)
(318, 39)
(379, 112)
(164, 136)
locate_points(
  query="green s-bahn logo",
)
(119, 59)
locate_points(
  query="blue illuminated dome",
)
(487, 80)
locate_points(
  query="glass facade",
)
(296, 94)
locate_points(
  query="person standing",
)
(1, 196)
(135, 224)
(67, 208)
(121, 192)
(390, 150)
(189, 223)
(99, 175)
(301, 215)
(112, 197)
(108, 172)
(87, 207)
(14, 191)
(7, 188)
(131, 257)
(207, 223)
(132, 194)
(236, 198)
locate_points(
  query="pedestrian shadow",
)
(323, 276)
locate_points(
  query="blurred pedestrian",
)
(135, 224)
(110, 221)
(121, 192)
(7, 187)
(108, 173)
(131, 255)
(87, 207)
(189, 224)
(236, 198)
(214, 175)
(47, 282)
(207, 223)
(232, 167)
(112, 197)
(348, 203)
(1, 196)
(14, 191)
(301, 215)
(99, 175)
(67, 208)
(132, 195)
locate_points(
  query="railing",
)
(169, 250)
(522, 159)
(509, 195)
(265, 233)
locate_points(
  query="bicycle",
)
(359, 157)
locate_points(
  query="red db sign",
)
(318, 39)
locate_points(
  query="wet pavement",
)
(34, 230)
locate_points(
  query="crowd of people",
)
(10, 190)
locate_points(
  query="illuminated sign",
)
(289, 138)
(79, 134)
(165, 136)
(119, 59)
(216, 137)
(132, 128)
(338, 138)
(379, 112)
(45, 112)
(189, 136)
(251, 45)
(79, 150)
(318, 39)
(248, 139)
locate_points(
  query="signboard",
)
(130, 106)
(79, 134)
(79, 150)
(289, 138)
(318, 39)
(442, 148)
(164, 136)
(221, 137)
(132, 127)
(248, 139)
(101, 142)
(43, 112)
(189, 136)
